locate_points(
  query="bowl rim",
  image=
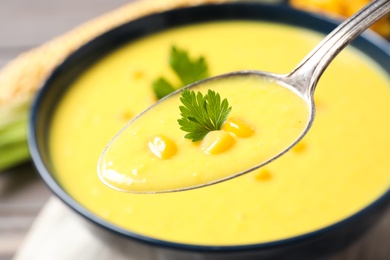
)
(55, 187)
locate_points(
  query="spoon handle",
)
(313, 65)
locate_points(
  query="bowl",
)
(317, 244)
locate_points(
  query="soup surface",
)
(337, 169)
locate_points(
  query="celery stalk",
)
(13, 154)
(13, 133)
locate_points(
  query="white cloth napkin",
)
(59, 234)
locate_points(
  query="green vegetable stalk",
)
(13, 133)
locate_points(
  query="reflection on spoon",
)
(279, 107)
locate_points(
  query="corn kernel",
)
(162, 147)
(126, 116)
(137, 74)
(299, 147)
(217, 142)
(343, 8)
(263, 175)
(238, 127)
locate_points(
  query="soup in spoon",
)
(152, 153)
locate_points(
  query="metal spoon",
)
(302, 80)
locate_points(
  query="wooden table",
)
(28, 23)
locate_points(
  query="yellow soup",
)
(337, 169)
(278, 116)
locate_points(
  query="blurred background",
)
(25, 24)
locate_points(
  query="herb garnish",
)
(187, 70)
(202, 114)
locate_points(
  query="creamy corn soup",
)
(151, 154)
(340, 167)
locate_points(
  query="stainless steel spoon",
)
(303, 79)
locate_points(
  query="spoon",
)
(302, 81)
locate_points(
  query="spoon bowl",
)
(125, 165)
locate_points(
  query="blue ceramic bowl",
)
(313, 245)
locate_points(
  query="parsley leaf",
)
(202, 114)
(188, 71)
(162, 87)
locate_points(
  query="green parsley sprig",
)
(187, 70)
(202, 114)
